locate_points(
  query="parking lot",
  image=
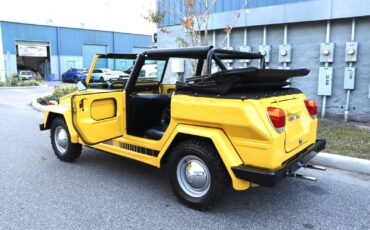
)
(104, 191)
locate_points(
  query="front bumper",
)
(42, 127)
(270, 178)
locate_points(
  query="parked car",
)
(74, 75)
(241, 128)
(121, 74)
(26, 74)
(129, 70)
(104, 74)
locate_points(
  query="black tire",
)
(63, 79)
(72, 150)
(206, 152)
(75, 79)
(102, 79)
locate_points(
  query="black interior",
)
(146, 113)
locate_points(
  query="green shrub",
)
(28, 83)
(13, 80)
(61, 91)
(44, 100)
(57, 93)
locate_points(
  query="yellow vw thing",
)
(212, 128)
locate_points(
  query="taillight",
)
(277, 118)
(311, 106)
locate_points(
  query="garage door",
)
(88, 53)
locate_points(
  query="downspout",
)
(327, 40)
(59, 61)
(346, 110)
(285, 43)
(245, 42)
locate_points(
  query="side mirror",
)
(81, 86)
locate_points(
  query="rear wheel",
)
(196, 173)
(63, 148)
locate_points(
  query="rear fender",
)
(222, 143)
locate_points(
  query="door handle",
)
(82, 105)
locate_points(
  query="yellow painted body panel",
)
(64, 111)
(246, 124)
(240, 129)
(112, 116)
(168, 89)
(218, 137)
(103, 109)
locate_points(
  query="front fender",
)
(222, 143)
(63, 111)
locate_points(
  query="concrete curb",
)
(342, 162)
(23, 87)
(38, 106)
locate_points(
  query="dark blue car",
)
(74, 75)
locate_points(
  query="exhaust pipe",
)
(299, 176)
(311, 166)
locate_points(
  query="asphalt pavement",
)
(104, 191)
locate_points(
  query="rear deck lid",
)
(297, 126)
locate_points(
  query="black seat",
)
(146, 112)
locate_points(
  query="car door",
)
(69, 74)
(98, 117)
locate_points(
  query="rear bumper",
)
(270, 178)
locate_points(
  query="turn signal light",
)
(277, 118)
(52, 103)
(311, 106)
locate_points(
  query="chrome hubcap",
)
(61, 139)
(193, 176)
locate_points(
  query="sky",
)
(112, 15)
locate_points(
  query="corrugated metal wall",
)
(13, 32)
(71, 40)
(220, 6)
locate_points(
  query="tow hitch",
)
(309, 166)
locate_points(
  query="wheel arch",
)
(52, 113)
(219, 140)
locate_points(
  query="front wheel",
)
(63, 148)
(196, 173)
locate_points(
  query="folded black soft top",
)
(243, 79)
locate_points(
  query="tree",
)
(194, 19)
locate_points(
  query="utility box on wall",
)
(351, 51)
(349, 78)
(327, 52)
(325, 81)
(285, 53)
(265, 50)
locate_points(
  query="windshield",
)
(119, 69)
